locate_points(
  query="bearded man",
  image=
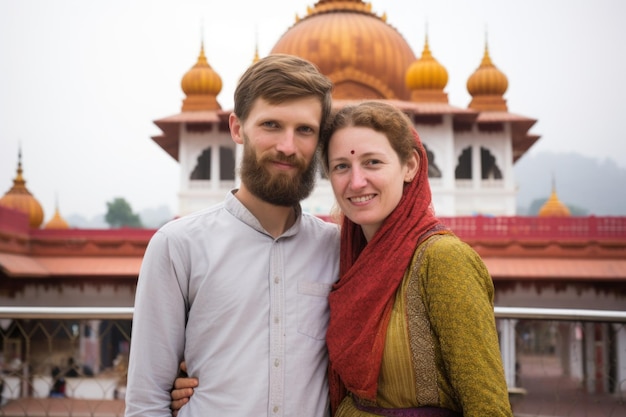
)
(239, 290)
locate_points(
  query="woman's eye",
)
(373, 162)
(340, 167)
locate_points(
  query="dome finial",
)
(19, 177)
(486, 37)
(486, 61)
(201, 56)
(19, 182)
(256, 46)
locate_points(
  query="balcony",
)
(73, 361)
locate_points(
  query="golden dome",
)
(57, 222)
(19, 198)
(201, 84)
(487, 86)
(554, 207)
(427, 78)
(365, 57)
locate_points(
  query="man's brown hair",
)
(279, 78)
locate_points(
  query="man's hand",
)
(182, 390)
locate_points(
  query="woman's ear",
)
(412, 166)
(234, 123)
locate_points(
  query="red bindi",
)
(352, 152)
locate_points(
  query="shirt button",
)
(276, 280)
(276, 363)
(275, 409)
(276, 320)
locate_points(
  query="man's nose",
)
(286, 143)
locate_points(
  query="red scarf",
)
(370, 273)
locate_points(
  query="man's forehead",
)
(309, 108)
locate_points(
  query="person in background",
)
(72, 369)
(412, 330)
(240, 290)
(57, 390)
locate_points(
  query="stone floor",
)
(62, 407)
(549, 393)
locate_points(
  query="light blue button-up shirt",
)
(247, 311)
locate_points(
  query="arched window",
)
(202, 170)
(463, 170)
(227, 163)
(488, 167)
(433, 169)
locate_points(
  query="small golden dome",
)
(19, 198)
(427, 78)
(487, 86)
(57, 222)
(553, 207)
(364, 56)
(201, 84)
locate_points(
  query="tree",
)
(120, 214)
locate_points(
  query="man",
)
(240, 289)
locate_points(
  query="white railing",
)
(126, 313)
(112, 313)
(26, 389)
(560, 314)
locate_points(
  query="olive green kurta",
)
(441, 347)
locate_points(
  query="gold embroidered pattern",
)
(420, 336)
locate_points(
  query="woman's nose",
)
(357, 178)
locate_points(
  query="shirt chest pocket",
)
(313, 311)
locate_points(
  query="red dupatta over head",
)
(370, 274)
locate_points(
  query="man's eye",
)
(270, 124)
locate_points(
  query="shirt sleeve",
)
(458, 293)
(158, 329)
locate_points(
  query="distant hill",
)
(592, 186)
(79, 221)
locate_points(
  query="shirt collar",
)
(237, 209)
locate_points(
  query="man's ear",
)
(235, 128)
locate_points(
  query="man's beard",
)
(280, 189)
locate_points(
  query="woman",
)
(412, 330)
(411, 323)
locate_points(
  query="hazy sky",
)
(81, 82)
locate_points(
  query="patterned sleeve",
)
(458, 294)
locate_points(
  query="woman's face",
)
(367, 176)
